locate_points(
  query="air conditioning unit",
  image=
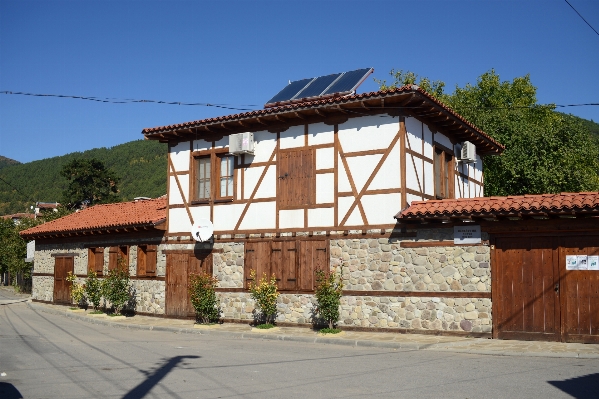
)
(241, 143)
(468, 152)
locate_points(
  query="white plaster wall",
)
(260, 215)
(226, 216)
(178, 221)
(478, 168)
(412, 197)
(319, 133)
(325, 188)
(443, 140)
(180, 156)
(222, 143)
(292, 137)
(264, 144)
(293, 218)
(362, 167)
(367, 133)
(389, 175)
(318, 217)
(268, 187)
(428, 142)
(342, 179)
(200, 145)
(325, 158)
(429, 183)
(413, 176)
(174, 196)
(414, 136)
(381, 208)
(355, 219)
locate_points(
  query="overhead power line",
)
(594, 30)
(127, 100)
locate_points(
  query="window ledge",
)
(200, 202)
(223, 200)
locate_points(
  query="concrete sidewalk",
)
(350, 338)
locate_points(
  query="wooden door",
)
(62, 288)
(179, 267)
(525, 299)
(580, 292)
(313, 256)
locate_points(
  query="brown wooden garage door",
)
(536, 298)
(179, 265)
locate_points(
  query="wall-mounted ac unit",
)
(468, 152)
(241, 143)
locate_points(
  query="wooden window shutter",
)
(276, 263)
(297, 178)
(151, 256)
(257, 257)
(313, 257)
(141, 260)
(91, 260)
(113, 257)
(99, 260)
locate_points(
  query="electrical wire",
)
(128, 100)
(582, 17)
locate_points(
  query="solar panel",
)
(337, 83)
(349, 81)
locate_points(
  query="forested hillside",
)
(140, 165)
(4, 162)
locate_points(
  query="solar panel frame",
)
(290, 91)
(318, 86)
(349, 81)
(328, 85)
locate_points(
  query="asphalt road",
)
(51, 356)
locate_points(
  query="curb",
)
(442, 347)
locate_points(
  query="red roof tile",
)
(318, 103)
(102, 217)
(540, 204)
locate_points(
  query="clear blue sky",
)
(241, 53)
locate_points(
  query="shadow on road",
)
(583, 387)
(8, 391)
(152, 379)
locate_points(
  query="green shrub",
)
(265, 294)
(77, 290)
(330, 331)
(93, 289)
(265, 326)
(329, 287)
(203, 297)
(115, 287)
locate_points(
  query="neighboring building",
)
(16, 217)
(96, 239)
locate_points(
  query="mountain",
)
(141, 166)
(4, 162)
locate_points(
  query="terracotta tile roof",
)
(530, 205)
(320, 103)
(102, 217)
(19, 216)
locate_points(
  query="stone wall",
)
(42, 288)
(384, 265)
(149, 296)
(228, 264)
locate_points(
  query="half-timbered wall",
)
(321, 176)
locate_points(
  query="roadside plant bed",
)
(96, 312)
(329, 331)
(116, 289)
(265, 294)
(265, 326)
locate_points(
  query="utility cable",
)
(582, 17)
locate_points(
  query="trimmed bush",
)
(329, 287)
(203, 298)
(265, 294)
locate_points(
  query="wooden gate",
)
(536, 298)
(62, 288)
(179, 266)
(580, 292)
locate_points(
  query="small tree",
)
(265, 294)
(77, 290)
(328, 293)
(203, 297)
(93, 289)
(115, 287)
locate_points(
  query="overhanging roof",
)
(408, 100)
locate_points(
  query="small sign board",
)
(30, 251)
(593, 262)
(582, 262)
(469, 234)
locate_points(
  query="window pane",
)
(437, 174)
(446, 173)
(226, 176)
(203, 178)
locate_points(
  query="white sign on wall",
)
(593, 262)
(30, 251)
(467, 234)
